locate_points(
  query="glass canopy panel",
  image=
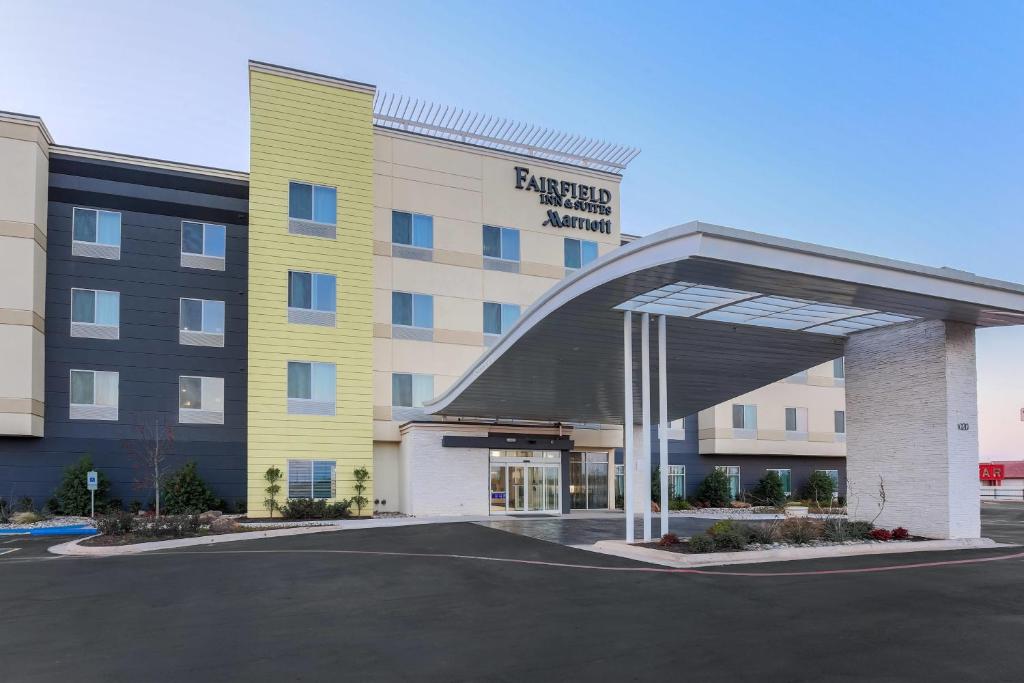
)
(706, 302)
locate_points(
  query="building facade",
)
(300, 315)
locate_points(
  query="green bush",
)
(728, 535)
(173, 526)
(770, 490)
(185, 491)
(679, 504)
(5, 511)
(702, 543)
(819, 488)
(764, 534)
(839, 529)
(859, 530)
(116, 524)
(714, 490)
(72, 494)
(308, 508)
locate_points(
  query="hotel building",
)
(300, 315)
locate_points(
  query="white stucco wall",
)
(442, 481)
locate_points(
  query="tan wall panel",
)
(436, 200)
(425, 277)
(427, 155)
(18, 268)
(514, 288)
(432, 359)
(452, 313)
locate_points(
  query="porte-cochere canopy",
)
(743, 310)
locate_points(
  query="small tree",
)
(272, 476)
(656, 484)
(72, 494)
(362, 476)
(185, 491)
(149, 452)
(714, 490)
(819, 488)
(770, 490)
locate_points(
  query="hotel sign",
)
(566, 195)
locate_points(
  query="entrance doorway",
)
(588, 481)
(526, 482)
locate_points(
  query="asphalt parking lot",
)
(463, 602)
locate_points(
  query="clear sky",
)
(891, 128)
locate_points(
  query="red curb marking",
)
(651, 570)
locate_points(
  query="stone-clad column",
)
(912, 414)
(24, 181)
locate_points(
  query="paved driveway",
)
(588, 528)
(458, 602)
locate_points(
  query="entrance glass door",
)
(516, 489)
(544, 494)
(525, 486)
(588, 481)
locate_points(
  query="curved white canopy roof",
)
(744, 310)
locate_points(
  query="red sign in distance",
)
(990, 472)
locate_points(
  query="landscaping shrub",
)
(679, 504)
(5, 511)
(240, 506)
(770, 490)
(837, 530)
(72, 494)
(26, 504)
(859, 530)
(185, 491)
(900, 534)
(174, 526)
(714, 490)
(135, 507)
(307, 508)
(819, 488)
(669, 539)
(26, 517)
(799, 530)
(702, 543)
(728, 535)
(880, 534)
(764, 534)
(116, 524)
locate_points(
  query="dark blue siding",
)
(148, 357)
(752, 467)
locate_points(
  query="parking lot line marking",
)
(647, 570)
(9, 550)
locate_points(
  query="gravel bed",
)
(50, 522)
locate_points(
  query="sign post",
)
(92, 482)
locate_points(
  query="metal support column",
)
(645, 419)
(627, 423)
(663, 423)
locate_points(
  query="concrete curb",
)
(73, 547)
(683, 561)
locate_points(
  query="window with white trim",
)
(579, 253)
(200, 400)
(201, 322)
(93, 395)
(317, 203)
(311, 479)
(498, 318)
(839, 368)
(796, 423)
(412, 310)
(411, 391)
(95, 313)
(312, 291)
(412, 229)
(676, 481)
(744, 421)
(312, 388)
(96, 227)
(501, 243)
(787, 479)
(733, 474)
(840, 421)
(203, 245)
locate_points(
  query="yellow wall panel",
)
(322, 134)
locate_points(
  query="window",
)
(312, 388)
(840, 423)
(315, 203)
(201, 400)
(96, 233)
(501, 243)
(411, 391)
(787, 480)
(201, 322)
(733, 473)
(839, 368)
(412, 310)
(579, 253)
(676, 481)
(412, 229)
(203, 245)
(95, 313)
(498, 318)
(311, 479)
(744, 421)
(796, 423)
(312, 298)
(94, 395)
(620, 485)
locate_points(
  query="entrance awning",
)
(742, 310)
